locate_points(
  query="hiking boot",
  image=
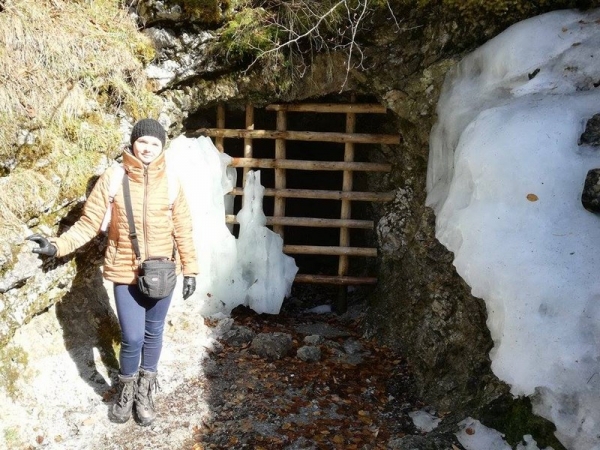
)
(126, 390)
(144, 403)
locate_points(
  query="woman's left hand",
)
(189, 286)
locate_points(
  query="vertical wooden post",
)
(248, 141)
(346, 212)
(220, 124)
(280, 182)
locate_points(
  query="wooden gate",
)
(280, 164)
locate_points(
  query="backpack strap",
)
(115, 182)
(129, 210)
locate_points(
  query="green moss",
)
(514, 418)
(11, 437)
(13, 365)
(143, 49)
(26, 193)
(75, 171)
(206, 11)
(75, 147)
(247, 35)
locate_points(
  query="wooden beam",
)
(298, 164)
(346, 206)
(337, 280)
(328, 250)
(368, 108)
(314, 222)
(324, 195)
(220, 124)
(280, 180)
(312, 136)
(248, 141)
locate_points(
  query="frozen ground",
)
(62, 400)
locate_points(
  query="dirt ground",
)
(343, 401)
(356, 396)
(217, 392)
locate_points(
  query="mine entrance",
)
(313, 162)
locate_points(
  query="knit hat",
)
(148, 127)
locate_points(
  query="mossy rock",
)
(204, 11)
(13, 364)
(514, 418)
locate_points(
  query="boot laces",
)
(127, 393)
(146, 397)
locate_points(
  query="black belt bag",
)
(157, 276)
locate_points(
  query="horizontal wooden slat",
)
(373, 108)
(324, 195)
(263, 163)
(313, 136)
(326, 250)
(331, 279)
(312, 222)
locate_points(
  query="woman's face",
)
(147, 148)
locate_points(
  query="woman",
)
(159, 226)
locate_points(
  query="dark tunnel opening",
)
(307, 179)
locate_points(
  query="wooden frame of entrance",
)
(280, 164)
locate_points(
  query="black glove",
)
(45, 247)
(189, 286)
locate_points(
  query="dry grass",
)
(67, 70)
(65, 67)
(26, 192)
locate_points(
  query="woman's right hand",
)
(45, 247)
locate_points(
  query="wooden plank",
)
(280, 182)
(314, 222)
(248, 141)
(336, 280)
(324, 195)
(345, 212)
(220, 124)
(346, 206)
(329, 250)
(264, 163)
(311, 136)
(366, 108)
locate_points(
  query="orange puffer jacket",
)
(158, 226)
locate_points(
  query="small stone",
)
(238, 337)
(314, 339)
(272, 345)
(591, 134)
(352, 347)
(309, 353)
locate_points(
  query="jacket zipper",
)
(145, 210)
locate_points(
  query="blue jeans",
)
(142, 323)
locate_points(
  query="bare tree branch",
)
(355, 24)
(295, 39)
(304, 28)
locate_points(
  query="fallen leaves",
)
(270, 404)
